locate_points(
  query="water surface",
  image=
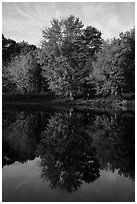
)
(68, 155)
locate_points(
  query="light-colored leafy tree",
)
(68, 48)
(18, 70)
(11, 53)
(25, 72)
(127, 59)
(114, 70)
(106, 76)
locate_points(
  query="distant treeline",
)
(73, 61)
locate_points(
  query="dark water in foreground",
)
(68, 155)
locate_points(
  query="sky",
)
(26, 20)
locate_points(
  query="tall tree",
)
(114, 70)
(67, 43)
(127, 59)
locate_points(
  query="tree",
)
(67, 43)
(114, 70)
(18, 70)
(25, 72)
(7, 83)
(11, 54)
(59, 76)
(107, 76)
(11, 48)
(127, 61)
(81, 56)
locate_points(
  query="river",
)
(68, 155)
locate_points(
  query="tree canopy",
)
(73, 61)
(114, 70)
(69, 48)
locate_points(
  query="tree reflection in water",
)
(67, 155)
(114, 139)
(73, 145)
(21, 135)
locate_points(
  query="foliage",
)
(115, 137)
(127, 61)
(12, 52)
(113, 71)
(107, 77)
(19, 137)
(69, 47)
(18, 70)
(59, 76)
(72, 62)
(11, 48)
(7, 83)
(25, 72)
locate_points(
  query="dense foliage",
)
(21, 71)
(13, 55)
(73, 61)
(69, 50)
(114, 70)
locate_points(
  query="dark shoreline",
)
(45, 101)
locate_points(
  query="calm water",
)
(68, 155)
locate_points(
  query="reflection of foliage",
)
(114, 139)
(17, 139)
(67, 155)
(21, 134)
(71, 144)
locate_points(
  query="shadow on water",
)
(73, 145)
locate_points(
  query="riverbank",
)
(99, 103)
